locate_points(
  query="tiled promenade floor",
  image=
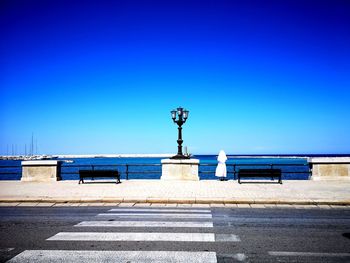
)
(184, 193)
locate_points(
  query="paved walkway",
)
(178, 192)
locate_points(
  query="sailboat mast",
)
(32, 146)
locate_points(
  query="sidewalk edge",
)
(175, 201)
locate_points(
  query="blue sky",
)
(102, 76)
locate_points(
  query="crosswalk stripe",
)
(159, 210)
(130, 236)
(89, 256)
(143, 224)
(158, 215)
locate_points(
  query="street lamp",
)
(182, 116)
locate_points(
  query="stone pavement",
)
(320, 193)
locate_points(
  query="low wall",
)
(330, 168)
(40, 171)
(180, 169)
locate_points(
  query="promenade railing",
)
(142, 170)
(301, 169)
(9, 172)
(125, 170)
(153, 170)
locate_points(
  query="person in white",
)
(221, 168)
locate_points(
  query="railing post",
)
(127, 172)
(271, 165)
(310, 170)
(234, 171)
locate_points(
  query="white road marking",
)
(158, 215)
(227, 238)
(239, 256)
(306, 254)
(143, 224)
(159, 210)
(2, 250)
(130, 236)
(89, 256)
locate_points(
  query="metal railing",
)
(128, 169)
(235, 168)
(10, 172)
(9, 169)
(122, 168)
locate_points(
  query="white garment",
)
(221, 168)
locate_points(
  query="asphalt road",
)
(92, 234)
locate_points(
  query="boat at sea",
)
(27, 158)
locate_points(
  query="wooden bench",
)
(99, 174)
(260, 173)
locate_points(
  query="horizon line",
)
(158, 155)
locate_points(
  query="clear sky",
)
(102, 76)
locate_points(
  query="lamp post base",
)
(180, 169)
(180, 156)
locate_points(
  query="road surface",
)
(173, 234)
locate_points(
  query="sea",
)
(293, 167)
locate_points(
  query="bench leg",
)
(118, 178)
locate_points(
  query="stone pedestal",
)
(183, 169)
(40, 171)
(330, 168)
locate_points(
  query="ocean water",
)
(150, 168)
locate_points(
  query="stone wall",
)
(330, 168)
(40, 171)
(183, 169)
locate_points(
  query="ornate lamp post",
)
(182, 116)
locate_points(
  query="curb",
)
(177, 201)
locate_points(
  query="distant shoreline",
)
(76, 156)
(60, 156)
